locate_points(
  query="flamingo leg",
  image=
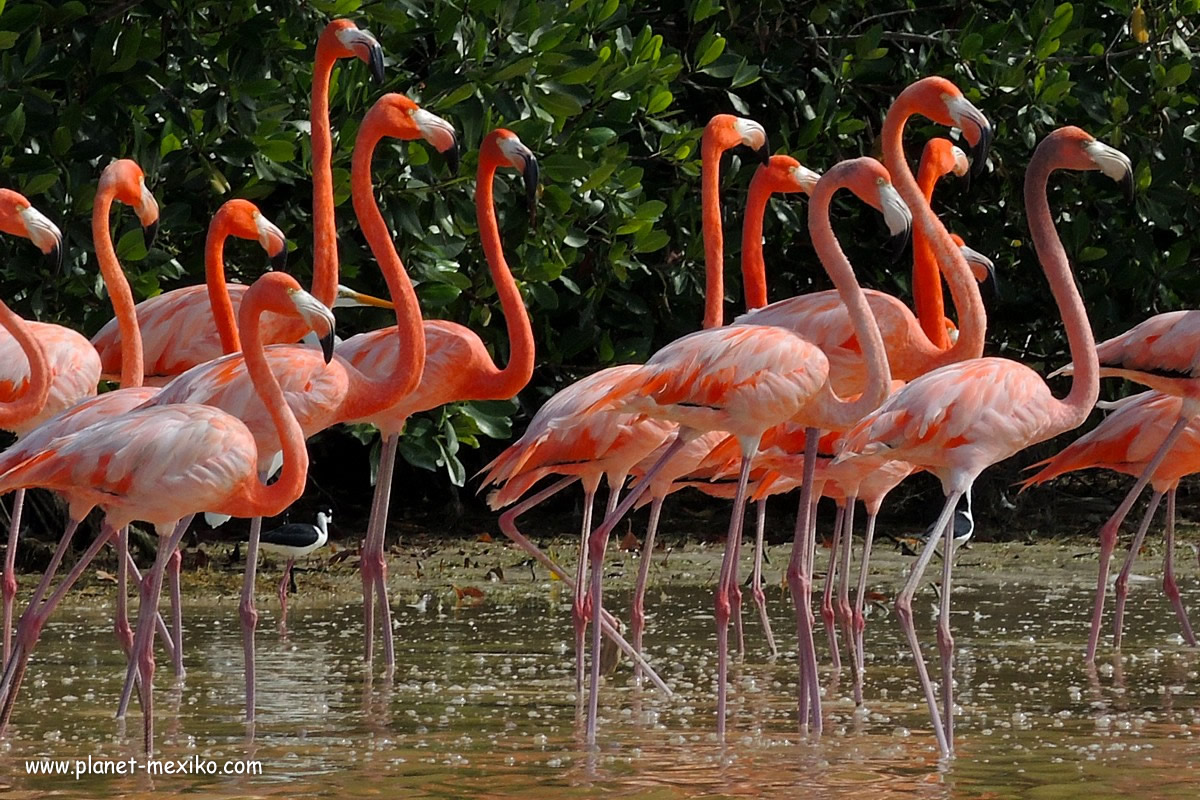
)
(725, 584)
(799, 577)
(174, 564)
(160, 624)
(580, 604)
(607, 623)
(10, 570)
(373, 563)
(1169, 586)
(945, 636)
(842, 612)
(29, 626)
(249, 614)
(760, 597)
(903, 607)
(1122, 587)
(597, 544)
(122, 628)
(860, 620)
(637, 610)
(1108, 534)
(283, 595)
(735, 593)
(835, 655)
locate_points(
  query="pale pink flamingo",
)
(457, 367)
(177, 326)
(746, 379)
(319, 394)
(73, 362)
(958, 420)
(723, 132)
(1126, 441)
(162, 464)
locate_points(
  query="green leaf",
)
(131, 246)
(711, 50)
(649, 240)
(1061, 20)
(1178, 75)
(280, 151)
(8, 39)
(659, 101)
(39, 183)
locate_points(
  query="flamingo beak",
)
(279, 260)
(150, 233)
(348, 298)
(898, 218)
(375, 62)
(45, 235)
(531, 173)
(1128, 186)
(327, 342)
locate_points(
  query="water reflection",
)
(482, 704)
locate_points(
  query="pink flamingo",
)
(958, 420)
(162, 464)
(457, 367)
(73, 362)
(746, 379)
(323, 395)
(1126, 441)
(177, 326)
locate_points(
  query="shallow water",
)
(483, 703)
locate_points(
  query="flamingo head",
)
(946, 158)
(128, 183)
(245, 221)
(726, 131)
(343, 39)
(348, 298)
(872, 183)
(1078, 149)
(280, 293)
(401, 118)
(502, 146)
(19, 218)
(944, 103)
(783, 174)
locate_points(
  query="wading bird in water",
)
(292, 541)
(958, 420)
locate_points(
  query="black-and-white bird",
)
(292, 541)
(964, 523)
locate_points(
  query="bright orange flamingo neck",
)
(30, 402)
(325, 255)
(218, 289)
(926, 277)
(964, 291)
(132, 361)
(267, 500)
(754, 268)
(369, 396)
(502, 384)
(714, 237)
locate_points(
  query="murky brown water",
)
(483, 705)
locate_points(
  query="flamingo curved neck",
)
(1085, 382)
(754, 267)
(268, 500)
(502, 384)
(368, 396)
(714, 236)
(926, 277)
(30, 402)
(325, 255)
(132, 360)
(964, 291)
(218, 289)
(839, 413)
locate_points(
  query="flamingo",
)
(323, 395)
(457, 367)
(745, 379)
(553, 430)
(1126, 441)
(162, 464)
(959, 419)
(176, 326)
(73, 363)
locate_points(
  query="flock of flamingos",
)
(841, 393)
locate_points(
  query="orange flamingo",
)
(322, 395)
(958, 420)
(177, 326)
(457, 366)
(73, 362)
(745, 379)
(554, 428)
(1125, 442)
(162, 464)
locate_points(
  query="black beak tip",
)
(764, 153)
(451, 155)
(532, 174)
(150, 233)
(898, 243)
(55, 257)
(991, 284)
(1127, 185)
(375, 63)
(327, 346)
(279, 260)
(979, 153)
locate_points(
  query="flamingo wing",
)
(73, 363)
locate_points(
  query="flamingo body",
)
(73, 364)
